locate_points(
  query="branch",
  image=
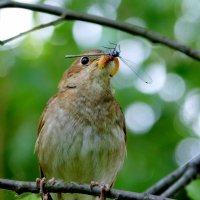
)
(164, 183)
(61, 187)
(126, 27)
(172, 183)
(52, 23)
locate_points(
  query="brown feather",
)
(82, 134)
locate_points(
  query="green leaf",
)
(193, 190)
(29, 197)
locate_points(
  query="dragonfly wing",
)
(139, 73)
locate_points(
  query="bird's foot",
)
(104, 189)
(41, 183)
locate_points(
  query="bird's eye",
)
(84, 60)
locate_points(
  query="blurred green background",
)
(163, 118)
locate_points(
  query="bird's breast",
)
(86, 144)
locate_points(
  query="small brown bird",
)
(81, 134)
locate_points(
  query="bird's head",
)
(94, 71)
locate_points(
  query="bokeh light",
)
(157, 72)
(22, 22)
(187, 149)
(173, 88)
(184, 34)
(87, 35)
(134, 52)
(28, 1)
(190, 111)
(43, 35)
(136, 21)
(55, 3)
(140, 117)
(190, 9)
(83, 32)
(190, 19)
(107, 9)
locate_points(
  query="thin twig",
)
(173, 183)
(188, 176)
(164, 183)
(61, 187)
(52, 23)
(129, 28)
(193, 170)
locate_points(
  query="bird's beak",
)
(103, 62)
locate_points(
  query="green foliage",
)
(29, 197)
(193, 190)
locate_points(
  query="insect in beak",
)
(105, 59)
(114, 55)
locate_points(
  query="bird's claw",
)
(104, 189)
(41, 183)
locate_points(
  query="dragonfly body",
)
(115, 52)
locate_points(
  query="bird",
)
(82, 133)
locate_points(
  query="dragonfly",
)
(115, 52)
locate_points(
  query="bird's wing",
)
(124, 126)
(121, 121)
(42, 120)
(40, 126)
